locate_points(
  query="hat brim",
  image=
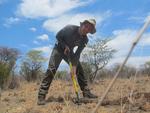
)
(93, 30)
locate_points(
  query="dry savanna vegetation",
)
(19, 84)
(59, 98)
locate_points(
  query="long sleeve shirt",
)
(70, 36)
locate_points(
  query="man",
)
(67, 38)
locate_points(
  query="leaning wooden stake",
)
(140, 33)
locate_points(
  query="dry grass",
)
(24, 99)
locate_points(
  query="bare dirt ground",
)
(24, 99)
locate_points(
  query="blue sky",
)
(32, 24)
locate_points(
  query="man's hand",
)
(67, 50)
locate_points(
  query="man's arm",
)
(60, 38)
(76, 55)
(74, 59)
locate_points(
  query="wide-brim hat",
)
(93, 23)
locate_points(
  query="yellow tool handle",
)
(74, 80)
(75, 83)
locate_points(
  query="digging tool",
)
(79, 100)
(75, 84)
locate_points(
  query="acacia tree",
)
(8, 58)
(97, 55)
(31, 66)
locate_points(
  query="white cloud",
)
(48, 8)
(122, 42)
(138, 60)
(36, 42)
(147, 18)
(33, 29)
(56, 24)
(45, 49)
(135, 61)
(145, 41)
(43, 37)
(10, 21)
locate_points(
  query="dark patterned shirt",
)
(70, 36)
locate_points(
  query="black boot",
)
(41, 100)
(88, 94)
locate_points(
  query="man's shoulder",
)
(71, 26)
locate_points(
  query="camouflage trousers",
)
(54, 62)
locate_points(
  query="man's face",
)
(86, 28)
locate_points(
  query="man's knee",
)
(49, 75)
(50, 72)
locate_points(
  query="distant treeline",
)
(31, 65)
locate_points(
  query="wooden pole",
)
(140, 33)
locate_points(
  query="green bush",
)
(32, 65)
(4, 74)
